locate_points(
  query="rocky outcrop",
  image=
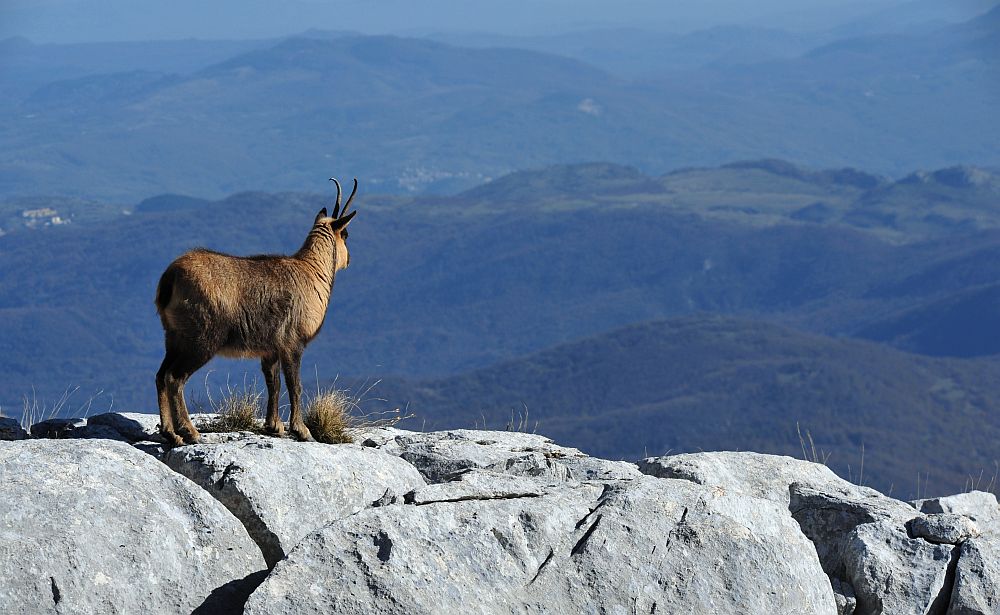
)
(10, 429)
(882, 555)
(979, 506)
(633, 546)
(943, 528)
(442, 455)
(976, 588)
(281, 489)
(76, 428)
(494, 522)
(977, 578)
(96, 526)
(755, 474)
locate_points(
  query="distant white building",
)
(41, 212)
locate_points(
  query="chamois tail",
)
(165, 289)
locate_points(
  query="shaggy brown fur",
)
(266, 307)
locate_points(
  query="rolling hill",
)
(414, 115)
(714, 383)
(440, 286)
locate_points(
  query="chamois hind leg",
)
(163, 397)
(290, 364)
(177, 377)
(272, 377)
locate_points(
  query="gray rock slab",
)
(96, 526)
(10, 429)
(133, 426)
(943, 528)
(477, 485)
(828, 516)
(893, 573)
(282, 489)
(637, 546)
(980, 506)
(977, 578)
(72, 428)
(755, 474)
(878, 552)
(442, 455)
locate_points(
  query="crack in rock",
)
(541, 567)
(56, 595)
(410, 498)
(582, 543)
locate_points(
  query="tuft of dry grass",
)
(238, 411)
(329, 417)
(335, 416)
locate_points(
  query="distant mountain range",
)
(496, 269)
(712, 383)
(122, 122)
(454, 297)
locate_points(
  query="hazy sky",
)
(102, 20)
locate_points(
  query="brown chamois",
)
(266, 307)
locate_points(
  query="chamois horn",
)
(337, 212)
(336, 208)
(350, 198)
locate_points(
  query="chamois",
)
(266, 307)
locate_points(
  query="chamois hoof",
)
(192, 438)
(277, 431)
(303, 435)
(172, 439)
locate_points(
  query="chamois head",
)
(338, 225)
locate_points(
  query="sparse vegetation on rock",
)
(511, 521)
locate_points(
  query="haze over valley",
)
(695, 233)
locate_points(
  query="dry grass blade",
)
(35, 411)
(238, 411)
(811, 453)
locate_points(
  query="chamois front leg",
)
(272, 377)
(290, 364)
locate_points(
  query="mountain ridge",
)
(719, 383)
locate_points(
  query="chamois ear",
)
(341, 223)
(320, 215)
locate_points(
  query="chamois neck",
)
(319, 248)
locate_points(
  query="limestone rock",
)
(980, 506)
(628, 546)
(10, 429)
(281, 489)
(72, 428)
(828, 516)
(132, 426)
(755, 474)
(442, 455)
(96, 526)
(893, 573)
(977, 578)
(943, 528)
(477, 485)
